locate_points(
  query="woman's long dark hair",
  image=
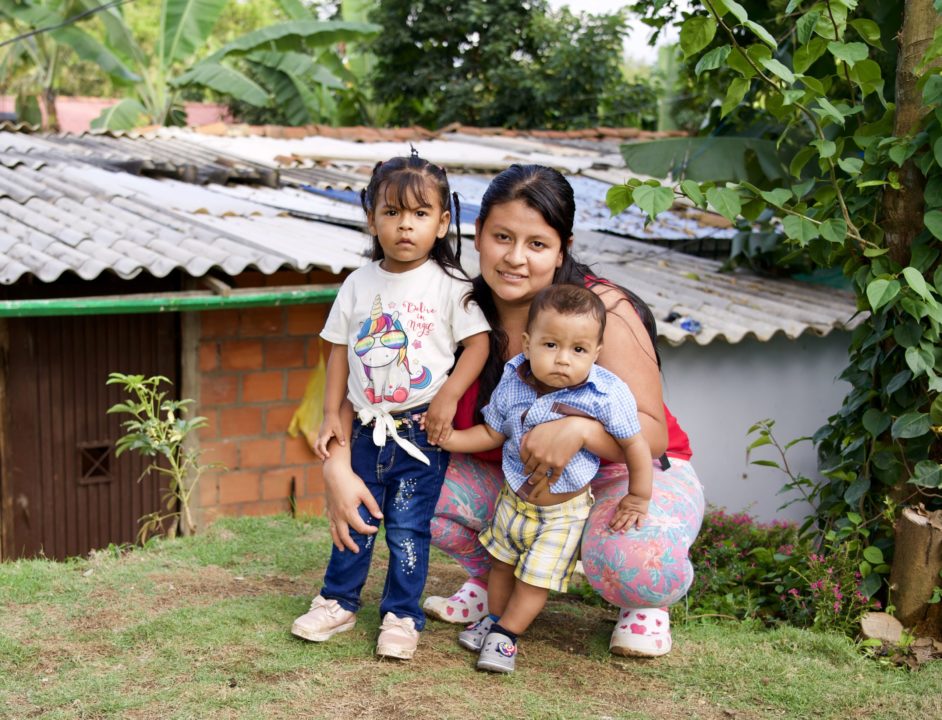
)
(550, 194)
(405, 180)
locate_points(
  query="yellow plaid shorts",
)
(541, 541)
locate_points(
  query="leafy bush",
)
(746, 570)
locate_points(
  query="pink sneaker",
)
(398, 638)
(324, 620)
(642, 633)
(468, 605)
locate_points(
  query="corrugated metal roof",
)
(450, 152)
(88, 220)
(60, 211)
(415, 132)
(590, 171)
(726, 305)
(156, 156)
(730, 306)
(323, 177)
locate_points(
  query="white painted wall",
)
(718, 391)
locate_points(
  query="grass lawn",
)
(199, 628)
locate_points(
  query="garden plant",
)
(854, 108)
(159, 429)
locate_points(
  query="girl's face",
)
(519, 251)
(407, 234)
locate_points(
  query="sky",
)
(636, 42)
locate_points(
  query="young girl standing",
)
(395, 327)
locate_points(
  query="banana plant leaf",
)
(297, 65)
(294, 34)
(331, 62)
(123, 116)
(89, 48)
(720, 159)
(119, 37)
(224, 80)
(295, 98)
(295, 9)
(186, 25)
(359, 59)
(34, 16)
(27, 110)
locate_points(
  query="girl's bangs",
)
(408, 190)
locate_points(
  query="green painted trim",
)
(169, 302)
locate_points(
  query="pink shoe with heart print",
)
(642, 633)
(468, 605)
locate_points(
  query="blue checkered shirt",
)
(516, 407)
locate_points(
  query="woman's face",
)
(519, 251)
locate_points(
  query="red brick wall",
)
(254, 366)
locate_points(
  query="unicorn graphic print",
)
(382, 347)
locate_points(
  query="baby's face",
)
(562, 348)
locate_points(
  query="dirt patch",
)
(445, 685)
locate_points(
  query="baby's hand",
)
(438, 418)
(630, 512)
(330, 428)
(446, 443)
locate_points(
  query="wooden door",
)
(66, 492)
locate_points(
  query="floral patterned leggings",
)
(636, 569)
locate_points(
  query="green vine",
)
(845, 204)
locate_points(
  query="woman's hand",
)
(549, 447)
(345, 492)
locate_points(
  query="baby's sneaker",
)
(398, 638)
(642, 633)
(472, 638)
(324, 620)
(499, 654)
(468, 605)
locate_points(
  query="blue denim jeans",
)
(406, 490)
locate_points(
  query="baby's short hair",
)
(567, 299)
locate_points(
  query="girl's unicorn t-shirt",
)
(401, 331)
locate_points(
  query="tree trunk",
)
(49, 109)
(49, 90)
(903, 209)
(917, 561)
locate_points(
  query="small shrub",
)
(158, 429)
(746, 570)
(738, 563)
